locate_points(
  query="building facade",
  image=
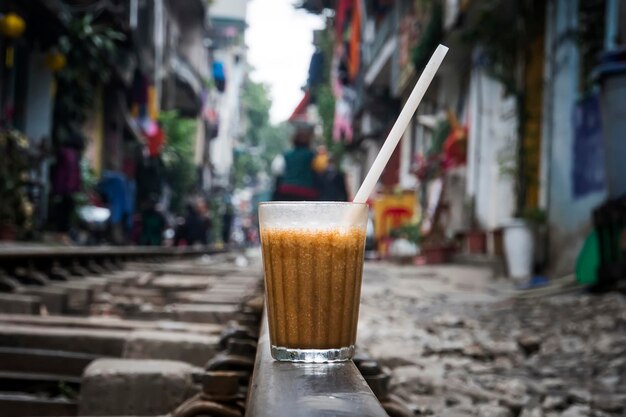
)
(518, 135)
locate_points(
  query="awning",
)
(184, 73)
(299, 114)
(188, 99)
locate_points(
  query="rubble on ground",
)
(459, 344)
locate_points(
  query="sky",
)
(279, 39)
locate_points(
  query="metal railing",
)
(384, 32)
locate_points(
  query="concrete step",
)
(108, 323)
(187, 312)
(118, 387)
(20, 304)
(194, 349)
(171, 282)
(94, 341)
(22, 404)
(41, 361)
(53, 299)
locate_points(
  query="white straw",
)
(400, 125)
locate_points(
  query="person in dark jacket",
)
(294, 170)
(333, 184)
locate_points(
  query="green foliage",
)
(88, 180)
(14, 206)
(275, 140)
(433, 33)
(409, 231)
(440, 133)
(262, 140)
(503, 30)
(325, 99)
(216, 207)
(89, 49)
(256, 103)
(177, 156)
(535, 216)
(326, 108)
(246, 167)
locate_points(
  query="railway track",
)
(161, 332)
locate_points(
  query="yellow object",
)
(93, 129)
(9, 57)
(153, 111)
(320, 162)
(55, 61)
(392, 211)
(12, 25)
(533, 105)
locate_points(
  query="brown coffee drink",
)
(313, 286)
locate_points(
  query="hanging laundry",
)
(114, 187)
(139, 95)
(340, 16)
(66, 172)
(156, 140)
(316, 69)
(344, 112)
(354, 51)
(219, 76)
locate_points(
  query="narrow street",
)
(189, 190)
(459, 343)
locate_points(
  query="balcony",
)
(378, 53)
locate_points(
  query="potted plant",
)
(475, 237)
(476, 241)
(405, 238)
(524, 238)
(14, 206)
(505, 41)
(436, 249)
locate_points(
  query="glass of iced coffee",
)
(313, 262)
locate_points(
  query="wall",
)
(193, 50)
(228, 108)
(492, 144)
(38, 118)
(229, 9)
(39, 99)
(408, 181)
(569, 217)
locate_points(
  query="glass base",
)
(284, 354)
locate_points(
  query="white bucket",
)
(519, 249)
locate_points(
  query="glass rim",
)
(312, 203)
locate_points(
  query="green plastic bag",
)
(588, 261)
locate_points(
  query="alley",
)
(313, 208)
(460, 343)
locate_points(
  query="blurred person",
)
(295, 171)
(332, 183)
(227, 221)
(113, 187)
(194, 229)
(65, 180)
(152, 225)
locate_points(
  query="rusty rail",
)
(282, 389)
(31, 252)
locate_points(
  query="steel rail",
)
(283, 389)
(30, 252)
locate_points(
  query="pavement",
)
(459, 342)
